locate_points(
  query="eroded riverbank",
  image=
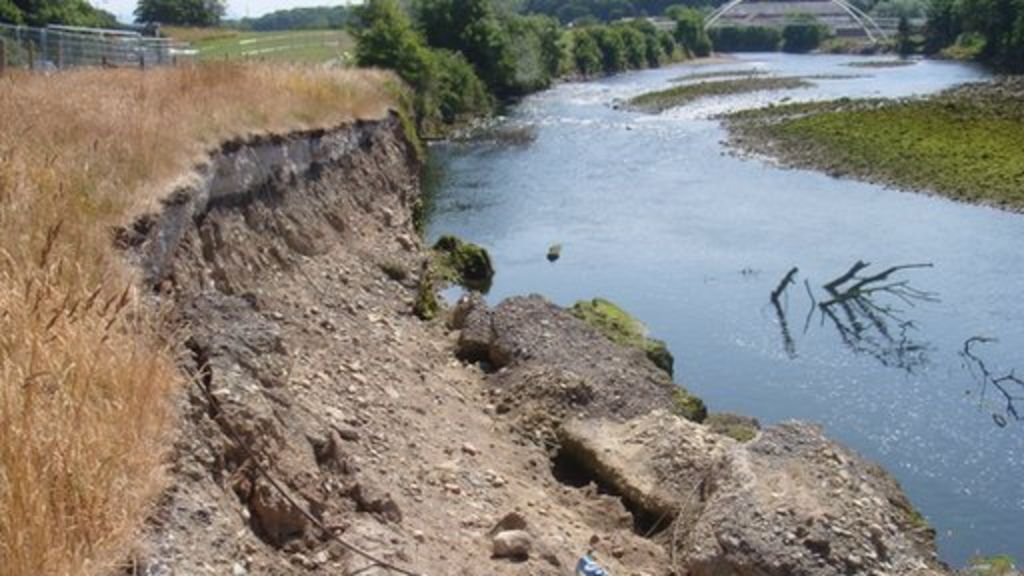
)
(329, 429)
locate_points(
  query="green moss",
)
(881, 63)
(916, 519)
(658, 353)
(462, 263)
(688, 406)
(662, 100)
(618, 326)
(963, 145)
(426, 305)
(394, 270)
(1000, 565)
(739, 428)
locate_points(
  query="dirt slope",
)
(325, 411)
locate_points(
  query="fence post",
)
(142, 60)
(31, 55)
(3, 56)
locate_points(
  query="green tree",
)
(180, 12)
(460, 92)
(803, 34)
(43, 12)
(387, 39)
(613, 49)
(10, 13)
(690, 33)
(904, 43)
(944, 25)
(635, 46)
(586, 53)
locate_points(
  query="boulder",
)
(512, 544)
(789, 502)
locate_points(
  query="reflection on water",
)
(1009, 387)
(867, 313)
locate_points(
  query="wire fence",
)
(62, 47)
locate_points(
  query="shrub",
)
(746, 38)
(803, 35)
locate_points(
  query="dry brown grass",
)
(86, 372)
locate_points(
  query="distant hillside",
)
(316, 18)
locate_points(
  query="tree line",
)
(989, 30)
(43, 12)
(462, 57)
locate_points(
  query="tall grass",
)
(87, 372)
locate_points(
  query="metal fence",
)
(60, 47)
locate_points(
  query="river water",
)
(654, 213)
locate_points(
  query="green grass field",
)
(313, 46)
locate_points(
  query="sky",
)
(236, 8)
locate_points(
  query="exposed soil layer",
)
(325, 415)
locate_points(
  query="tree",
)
(904, 44)
(690, 33)
(586, 53)
(180, 12)
(944, 25)
(10, 13)
(43, 12)
(388, 40)
(803, 34)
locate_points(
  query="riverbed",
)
(653, 212)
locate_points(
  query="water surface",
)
(654, 213)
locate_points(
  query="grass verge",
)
(307, 46)
(662, 100)
(964, 144)
(87, 371)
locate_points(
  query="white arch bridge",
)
(865, 22)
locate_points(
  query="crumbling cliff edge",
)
(327, 424)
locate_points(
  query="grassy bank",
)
(965, 144)
(662, 100)
(86, 370)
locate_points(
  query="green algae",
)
(965, 144)
(662, 100)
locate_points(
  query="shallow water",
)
(654, 213)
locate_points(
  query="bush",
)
(459, 91)
(586, 53)
(690, 33)
(803, 35)
(613, 49)
(746, 39)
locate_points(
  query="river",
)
(655, 213)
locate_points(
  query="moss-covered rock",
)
(688, 406)
(739, 428)
(658, 353)
(618, 326)
(464, 263)
(1001, 565)
(426, 305)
